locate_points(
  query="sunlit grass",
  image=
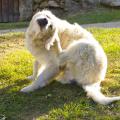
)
(55, 101)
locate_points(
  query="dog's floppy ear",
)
(30, 31)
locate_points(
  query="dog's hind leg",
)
(94, 92)
(67, 76)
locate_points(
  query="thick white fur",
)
(83, 57)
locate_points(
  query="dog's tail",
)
(94, 92)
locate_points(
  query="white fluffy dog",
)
(83, 58)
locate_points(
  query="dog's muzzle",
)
(42, 22)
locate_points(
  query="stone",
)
(25, 9)
(93, 1)
(88, 1)
(44, 4)
(62, 3)
(53, 3)
(71, 6)
(111, 3)
(38, 1)
(36, 6)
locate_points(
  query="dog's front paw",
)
(27, 89)
(49, 43)
(47, 46)
(31, 77)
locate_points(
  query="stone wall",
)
(40, 4)
(25, 9)
(60, 7)
(68, 6)
(111, 3)
(57, 6)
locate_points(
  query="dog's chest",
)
(37, 48)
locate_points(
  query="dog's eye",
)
(51, 26)
(47, 16)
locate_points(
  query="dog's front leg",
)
(35, 70)
(43, 79)
(51, 41)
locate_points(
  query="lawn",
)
(4, 26)
(95, 16)
(55, 101)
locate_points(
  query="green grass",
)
(55, 101)
(95, 16)
(13, 25)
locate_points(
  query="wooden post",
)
(0, 10)
(5, 9)
(11, 10)
(16, 10)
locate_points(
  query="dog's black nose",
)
(42, 22)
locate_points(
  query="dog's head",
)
(42, 23)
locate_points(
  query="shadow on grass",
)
(21, 106)
(18, 83)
